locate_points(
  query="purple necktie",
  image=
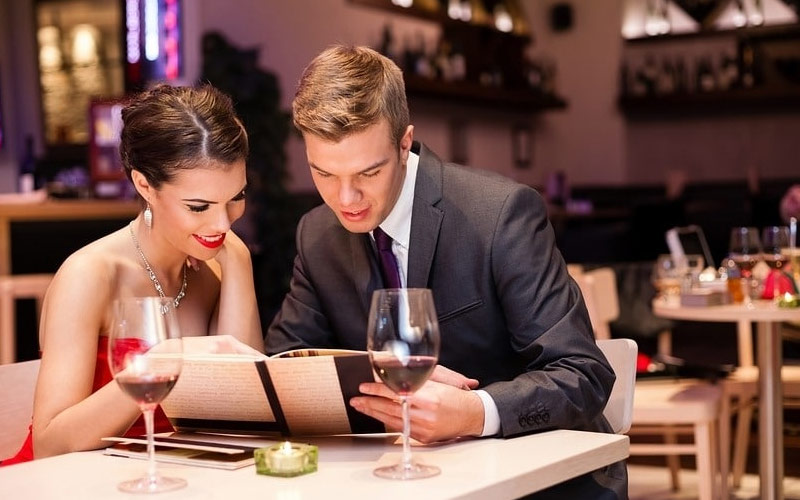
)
(391, 276)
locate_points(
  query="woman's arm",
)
(67, 416)
(237, 308)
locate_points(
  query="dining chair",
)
(13, 287)
(603, 307)
(621, 355)
(667, 408)
(17, 383)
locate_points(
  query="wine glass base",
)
(403, 472)
(158, 484)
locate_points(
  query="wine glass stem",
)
(151, 449)
(406, 433)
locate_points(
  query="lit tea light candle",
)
(286, 460)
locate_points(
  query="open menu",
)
(300, 392)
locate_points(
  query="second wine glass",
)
(144, 355)
(403, 344)
(775, 240)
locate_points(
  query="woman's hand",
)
(233, 250)
(233, 246)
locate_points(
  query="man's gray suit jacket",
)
(509, 314)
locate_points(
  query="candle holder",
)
(286, 459)
(789, 301)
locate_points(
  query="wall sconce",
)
(502, 19)
(50, 58)
(84, 45)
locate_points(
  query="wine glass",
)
(403, 344)
(745, 249)
(775, 240)
(668, 273)
(144, 354)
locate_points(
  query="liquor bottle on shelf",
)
(728, 72)
(749, 64)
(681, 76)
(27, 168)
(706, 81)
(665, 84)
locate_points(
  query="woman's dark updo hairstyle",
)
(166, 129)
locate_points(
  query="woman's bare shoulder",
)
(97, 264)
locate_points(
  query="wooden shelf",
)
(471, 93)
(758, 99)
(486, 50)
(437, 16)
(760, 32)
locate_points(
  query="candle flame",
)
(286, 448)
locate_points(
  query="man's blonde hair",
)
(345, 90)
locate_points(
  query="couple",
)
(513, 323)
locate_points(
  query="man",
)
(509, 314)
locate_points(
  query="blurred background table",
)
(769, 350)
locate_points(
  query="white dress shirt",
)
(398, 226)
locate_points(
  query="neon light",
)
(151, 38)
(132, 27)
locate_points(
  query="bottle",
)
(27, 168)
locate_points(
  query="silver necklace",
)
(152, 274)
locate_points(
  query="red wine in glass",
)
(745, 262)
(775, 261)
(147, 390)
(404, 379)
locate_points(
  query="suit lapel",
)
(426, 218)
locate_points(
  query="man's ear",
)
(405, 142)
(141, 185)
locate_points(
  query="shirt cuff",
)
(491, 417)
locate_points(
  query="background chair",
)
(740, 397)
(621, 355)
(666, 408)
(13, 287)
(17, 383)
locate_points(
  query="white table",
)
(479, 469)
(770, 357)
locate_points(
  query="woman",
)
(184, 150)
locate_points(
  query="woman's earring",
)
(148, 217)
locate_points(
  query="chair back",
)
(17, 383)
(13, 287)
(621, 355)
(599, 289)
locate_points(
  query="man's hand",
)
(438, 411)
(450, 377)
